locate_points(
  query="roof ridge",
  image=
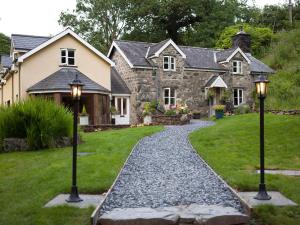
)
(136, 41)
(28, 35)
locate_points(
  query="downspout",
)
(12, 88)
(19, 82)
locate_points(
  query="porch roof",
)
(118, 86)
(60, 80)
(216, 81)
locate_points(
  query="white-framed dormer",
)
(237, 67)
(67, 57)
(169, 42)
(169, 63)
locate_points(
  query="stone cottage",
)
(171, 73)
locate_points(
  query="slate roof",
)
(196, 57)
(27, 42)
(5, 61)
(59, 81)
(153, 48)
(211, 81)
(118, 86)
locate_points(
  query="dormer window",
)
(169, 63)
(237, 67)
(67, 57)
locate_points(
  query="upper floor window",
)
(238, 96)
(169, 63)
(169, 96)
(237, 67)
(67, 57)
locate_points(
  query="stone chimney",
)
(242, 40)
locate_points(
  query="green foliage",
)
(242, 109)
(113, 110)
(219, 108)
(283, 56)
(38, 120)
(260, 37)
(170, 112)
(30, 179)
(4, 44)
(236, 139)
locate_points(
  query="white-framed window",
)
(237, 67)
(169, 96)
(169, 63)
(238, 96)
(67, 57)
(121, 106)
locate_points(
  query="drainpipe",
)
(19, 82)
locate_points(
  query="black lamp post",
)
(261, 88)
(76, 89)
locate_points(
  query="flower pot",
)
(219, 114)
(83, 120)
(147, 120)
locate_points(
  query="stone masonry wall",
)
(189, 85)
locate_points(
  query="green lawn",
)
(231, 147)
(28, 180)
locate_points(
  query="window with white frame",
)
(170, 96)
(237, 67)
(238, 96)
(67, 57)
(169, 63)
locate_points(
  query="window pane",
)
(167, 92)
(240, 96)
(172, 92)
(63, 60)
(235, 101)
(119, 105)
(166, 101)
(166, 62)
(124, 106)
(71, 53)
(235, 93)
(172, 101)
(63, 52)
(71, 61)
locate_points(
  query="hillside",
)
(284, 57)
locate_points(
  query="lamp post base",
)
(74, 196)
(262, 193)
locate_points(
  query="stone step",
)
(191, 214)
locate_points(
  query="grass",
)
(231, 147)
(28, 180)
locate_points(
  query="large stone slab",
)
(282, 172)
(190, 214)
(277, 199)
(88, 201)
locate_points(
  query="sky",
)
(39, 17)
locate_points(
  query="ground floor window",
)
(238, 96)
(170, 96)
(120, 105)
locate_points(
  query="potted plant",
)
(83, 117)
(147, 112)
(219, 109)
(113, 112)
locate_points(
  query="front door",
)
(122, 107)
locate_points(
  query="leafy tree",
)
(260, 37)
(99, 21)
(4, 44)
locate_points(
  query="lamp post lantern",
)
(76, 90)
(261, 88)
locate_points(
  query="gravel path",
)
(164, 170)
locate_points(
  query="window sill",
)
(169, 70)
(239, 74)
(73, 66)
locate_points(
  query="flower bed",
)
(171, 120)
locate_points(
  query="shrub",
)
(242, 109)
(219, 108)
(170, 112)
(38, 120)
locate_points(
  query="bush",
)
(242, 109)
(38, 120)
(170, 112)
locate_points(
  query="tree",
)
(99, 21)
(4, 44)
(260, 37)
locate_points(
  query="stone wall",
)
(189, 84)
(284, 112)
(170, 120)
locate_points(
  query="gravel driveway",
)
(164, 170)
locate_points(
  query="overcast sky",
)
(39, 17)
